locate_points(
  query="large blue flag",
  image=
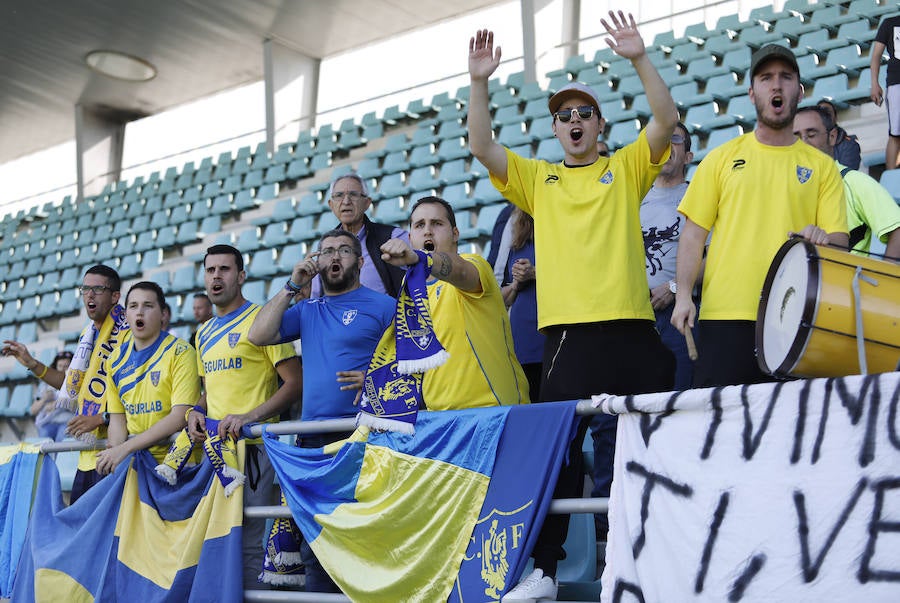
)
(17, 469)
(132, 537)
(395, 517)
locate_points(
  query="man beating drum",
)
(752, 192)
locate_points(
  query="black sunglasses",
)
(584, 112)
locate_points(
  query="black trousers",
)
(726, 354)
(617, 357)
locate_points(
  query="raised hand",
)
(626, 41)
(483, 59)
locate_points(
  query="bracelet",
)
(44, 372)
(292, 287)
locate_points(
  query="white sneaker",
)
(535, 586)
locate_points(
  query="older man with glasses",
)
(339, 331)
(83, 386)
(349, 200)
(600, 325)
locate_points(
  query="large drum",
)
(825, 313)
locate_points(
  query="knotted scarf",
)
(94, 348)
(392, 390)
(221, 452)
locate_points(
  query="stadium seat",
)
(484, 193)
(703, 118)
(847, 60)
(458, 196)
(159, 219)
(742, 109)
(210, 225)
(423, 155)
(688, 95)
(719, 45)
(298, 168)
(834, 88)
(541, 128)
(453, 172)
(183, 279)
(248, 240)
(165, 239)
(288, 258)
(423, 179)
(262, 263)
(255, 291)
(623, 133)
(716, 138)
(453, 148)
(302, 229)
(391, 211)
(514, 135)
(792, 27)
(738, 61)
(392, 185)
(19, 401)
(395, 162)
(871, 9)
(275, 236)
(858, 32)
(684, 54)
(725, 86)
(253, 179)
(129, 266)
(890, 179)
(423, 134)
(275, 173)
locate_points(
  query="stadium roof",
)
(198, 47)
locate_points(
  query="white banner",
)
(773, 492)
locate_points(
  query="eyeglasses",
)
(96, 289)
(328, 253)
(677, 139)
(565, 115)
(352, 196)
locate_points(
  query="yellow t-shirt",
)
(751, 195)
(238, 375)
(146, 384)
(474, 329)
(587, 233)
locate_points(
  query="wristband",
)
(43, 373)
(292, 287)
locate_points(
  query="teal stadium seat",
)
(890, 179)
(262, 263)
(19, 401)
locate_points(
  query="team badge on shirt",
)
(348, 316)
(803, 174)
(154, 378)
(233, 339)
(606, 178)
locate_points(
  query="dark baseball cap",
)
(772, 51)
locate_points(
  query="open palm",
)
(483, 60)
(626, 41)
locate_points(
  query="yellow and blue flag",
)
(395, 517)
(17, 470)
(133, 537)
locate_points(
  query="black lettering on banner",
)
(823, 419)
(623, 587)
(811, 569)
(876, 526)
(893, 438)
(652, 479)
(752, 440)
(856, 406)
(802, 403)
(648, 426)
(743, 581)
(716, 402)
(718, 518)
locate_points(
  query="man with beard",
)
(349, 201)
(84, 383)
(600, 335)
(241, 387)
(339, 332)
(753, 192)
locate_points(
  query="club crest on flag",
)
(233, 339)
(348, 316)
(154, 378)
(495, 538)
(803, 174)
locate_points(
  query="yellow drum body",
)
(807, 320)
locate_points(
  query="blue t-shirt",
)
(528, 341)
(338, 333)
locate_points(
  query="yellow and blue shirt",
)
(145, 384)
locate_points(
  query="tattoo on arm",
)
(444, 265)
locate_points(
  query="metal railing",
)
(557, 506)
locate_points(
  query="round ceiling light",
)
(120, 66)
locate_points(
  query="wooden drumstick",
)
(692, 348)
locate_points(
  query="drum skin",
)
(806, 323)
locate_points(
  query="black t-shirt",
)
(888, 33)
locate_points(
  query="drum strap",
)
(857, 301)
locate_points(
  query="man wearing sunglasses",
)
(599, 324)
(349, 200)
(339, 333)
(83, 385)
